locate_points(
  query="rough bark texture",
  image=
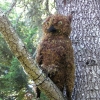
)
(86, 43)
(18, 48)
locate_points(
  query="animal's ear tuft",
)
(70, 18)
(45, 20)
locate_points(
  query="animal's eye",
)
(53, 19)
(47, 23)
(60, 22)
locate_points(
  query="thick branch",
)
(19, 50)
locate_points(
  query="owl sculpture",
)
(55, 52)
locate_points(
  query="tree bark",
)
(86, 43)
(18, 48)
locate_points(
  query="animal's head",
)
(57, 24)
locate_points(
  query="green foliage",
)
(5, 53)
(43, 97)
(4, 5)
(27, 35)
(13, 80)
(26, 17)
(16, 75)
(21, 94)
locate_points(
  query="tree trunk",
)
(19, 50)
(86, 43)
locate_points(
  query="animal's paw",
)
(52, 70)
(49, 70)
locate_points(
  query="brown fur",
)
(55, 52)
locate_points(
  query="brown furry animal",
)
(55, 52)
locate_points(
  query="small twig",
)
(11, 7)
(34, 54)
(47, 4)
(17, 19)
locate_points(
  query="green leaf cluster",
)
(26, 17)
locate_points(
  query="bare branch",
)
(11, 7)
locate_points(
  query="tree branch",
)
(18, 48)
(11, 7)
